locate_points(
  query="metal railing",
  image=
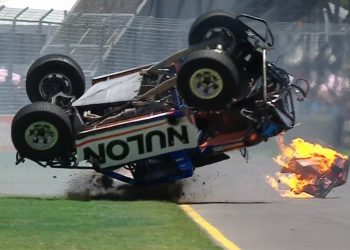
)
(100, 43)
(104, 43)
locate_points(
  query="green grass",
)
(64, 224)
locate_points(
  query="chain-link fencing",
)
(100, 43)
(104, 43)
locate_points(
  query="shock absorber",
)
(178, 102)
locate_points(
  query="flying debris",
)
(308, 170)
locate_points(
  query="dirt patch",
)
(94, 186)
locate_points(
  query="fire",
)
(301, 165)
(276, 182)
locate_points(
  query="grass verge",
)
(27, 223)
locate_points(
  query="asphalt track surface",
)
(250, 214)
(232, 196)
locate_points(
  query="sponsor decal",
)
(5, 134)
(137, 141)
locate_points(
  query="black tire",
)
(217, 83)
(217, 23)
(46, 127)
(54, 73)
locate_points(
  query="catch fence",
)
(104, 43)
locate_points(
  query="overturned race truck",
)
(159, 122)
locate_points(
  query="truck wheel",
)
(208, 80)
(41, 132)
(216, 24)
(52, 74)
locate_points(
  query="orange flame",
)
(275, 182)
(302, 162)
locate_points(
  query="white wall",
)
(40, 4)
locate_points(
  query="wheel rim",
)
(41, 135)
(206, 83)
(219, 32)
(53, 83)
